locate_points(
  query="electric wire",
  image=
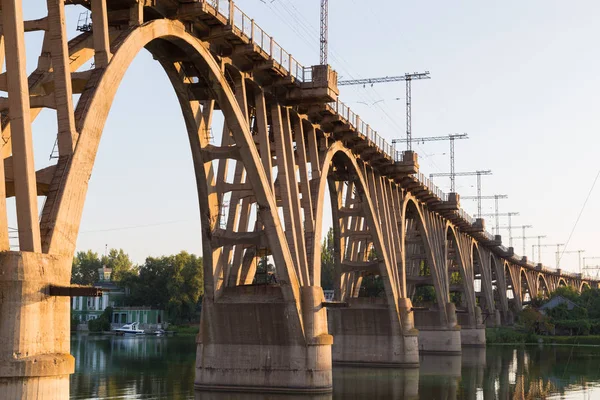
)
(579, 216)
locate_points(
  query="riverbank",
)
(512, 336)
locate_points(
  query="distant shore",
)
(507, 335)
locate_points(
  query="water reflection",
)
(110, 367)
(156, 368)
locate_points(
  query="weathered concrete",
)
(35, 329)
(436, 337)
(247, 342)
(472, 330)
(367, 334)
(472, 337)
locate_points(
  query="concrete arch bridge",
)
(287, 144)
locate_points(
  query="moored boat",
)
(129, 329)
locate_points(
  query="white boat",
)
(129, 329)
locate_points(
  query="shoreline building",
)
(86, 308)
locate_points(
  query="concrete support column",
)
(473, 334)
(20, 126)
(101, 38)
(96, 303)
(34, 334)
(252, 340)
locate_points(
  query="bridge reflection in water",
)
(149, 368)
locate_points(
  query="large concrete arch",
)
(92, 112)
(561, 282)
(375, 332)
(511, 273)
(542, 286)
(485, 280)
(501, 288)
(337, 150)
(464, 249)
(525, 285)
(411, 204)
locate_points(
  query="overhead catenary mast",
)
(509, 227)
(408, 77)
(495, 197)
(324, 30)
(452, 175)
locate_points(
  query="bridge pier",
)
(494, 319)
(35, 359)
(248, 342)
(436, 336)
(472, 329)
(368, 333)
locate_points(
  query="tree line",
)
(174, 283)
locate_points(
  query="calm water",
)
(109, 367)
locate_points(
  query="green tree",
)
(102, 323)
(174, 283)
(85, 268)
(119, 262)
(567, 292)
(424, 295)
(327, 261)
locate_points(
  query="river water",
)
(110, 367)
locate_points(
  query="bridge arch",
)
(513, 292)
(483, 275)
(338, 153)
(459, 256)
(61, 228)
(561, 282)
(584, 286)
(543, 288)
(526, 286)
(414, 239)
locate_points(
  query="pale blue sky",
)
(521, 78)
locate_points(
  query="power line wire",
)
(579, 216)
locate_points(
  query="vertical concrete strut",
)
(20, 126)
(287, 199)
(313, 266)
(63, 92)
(100, 32)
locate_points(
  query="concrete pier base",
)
(472, 337)
(435, 336)
(368, 333)
(472, 329)
(440, 340)
(35, 330)
(494, 320)
(252, 341)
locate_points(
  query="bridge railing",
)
(256, 35)
(464, 215)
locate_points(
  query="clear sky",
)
(521, 78)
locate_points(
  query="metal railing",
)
(247, 28)
(464, 215)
